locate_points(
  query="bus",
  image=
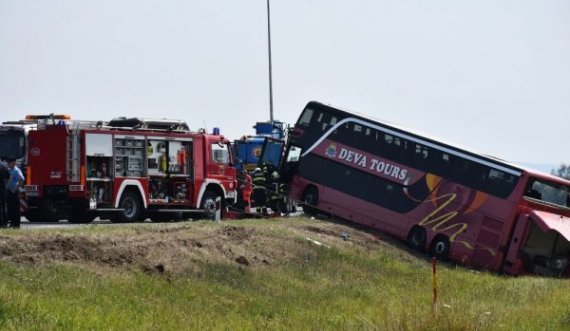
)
(453, 203)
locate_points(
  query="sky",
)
(492, 76)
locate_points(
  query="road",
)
(28, 225)
(25, 224)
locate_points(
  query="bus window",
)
(370, 143)
(439, 163)
(294, 154)
(549, 192)
(421, 152)
(325, 121)
(306, 118)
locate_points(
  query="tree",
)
(562, 171)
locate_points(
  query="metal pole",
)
(270, 74)
(434, 285)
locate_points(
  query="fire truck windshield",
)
(549, 192)
(12, 144)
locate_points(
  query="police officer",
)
(13, 197)
(4, 176)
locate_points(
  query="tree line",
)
(562, 171)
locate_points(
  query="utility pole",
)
(270, 74)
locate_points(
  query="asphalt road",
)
(28, 225)
(25, 224)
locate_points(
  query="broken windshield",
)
(549, 192)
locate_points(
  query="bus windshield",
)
(549, 192)
(12, 144)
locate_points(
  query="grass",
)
(341, 286)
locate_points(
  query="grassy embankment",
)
(253, 275)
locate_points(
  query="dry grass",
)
(172, 248)
(263, 274)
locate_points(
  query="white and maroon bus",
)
(456, 204)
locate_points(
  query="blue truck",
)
(247, 149)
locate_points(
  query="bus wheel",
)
(310, 200)
(209, 204)
(417, 238)
(132, 207)
(440, 248)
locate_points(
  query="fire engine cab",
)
(126, 170)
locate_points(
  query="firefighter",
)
(4, 176)
(13, 198)
(259, 190)
(277, 196)
(246, 190)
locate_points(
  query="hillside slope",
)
(254, 274)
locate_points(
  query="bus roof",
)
(431, 140)
(546, 176)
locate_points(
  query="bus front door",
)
(514, 262)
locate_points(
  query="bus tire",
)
(208, 204)
(132, 207)
(310, 199)
(417, 238)
(440, 248)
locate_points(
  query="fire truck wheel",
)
(417, 238)
(132, 207)
(310, 200)
(440, 248)
(209, 204)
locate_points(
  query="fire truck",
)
(126, 170)
(14, 136)
(14, 140)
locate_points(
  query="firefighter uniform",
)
(246, 190)
(277, 195)
(259, 190)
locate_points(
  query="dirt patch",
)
(174, 248)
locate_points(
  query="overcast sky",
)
(490, 75)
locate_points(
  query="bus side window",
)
(460, 170)
(437, 162)
(395, 148)
(306, 118)
(421, 152)
(370, 140)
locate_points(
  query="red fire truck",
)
(14, 140)
(126, 170)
